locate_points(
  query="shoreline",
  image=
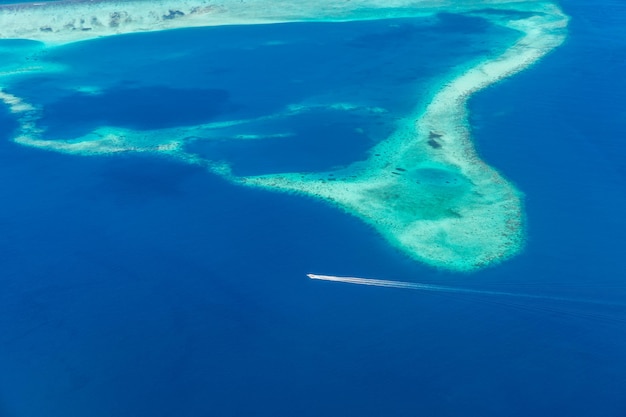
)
(68, 21)
(445, 207)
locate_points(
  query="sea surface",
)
(143, 286)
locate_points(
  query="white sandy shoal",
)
(108, 140)
(447, 111)
(70, 21)
(489, 228)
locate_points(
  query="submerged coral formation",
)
(424, 188)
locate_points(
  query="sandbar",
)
(424, 189)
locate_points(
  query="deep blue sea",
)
(142, 286)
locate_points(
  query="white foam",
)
(454, 290)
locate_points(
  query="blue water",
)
(138, 286)
(188, 77)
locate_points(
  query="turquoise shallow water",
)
(317, 82)
(139, 286)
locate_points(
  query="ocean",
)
(141, 285)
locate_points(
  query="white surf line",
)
(454, 290)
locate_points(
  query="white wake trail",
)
(454, 290)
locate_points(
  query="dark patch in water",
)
(434, 144)
(135, 108)
(438, 177)
(173, 14)
(454, 214)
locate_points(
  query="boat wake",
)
(454, 290)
